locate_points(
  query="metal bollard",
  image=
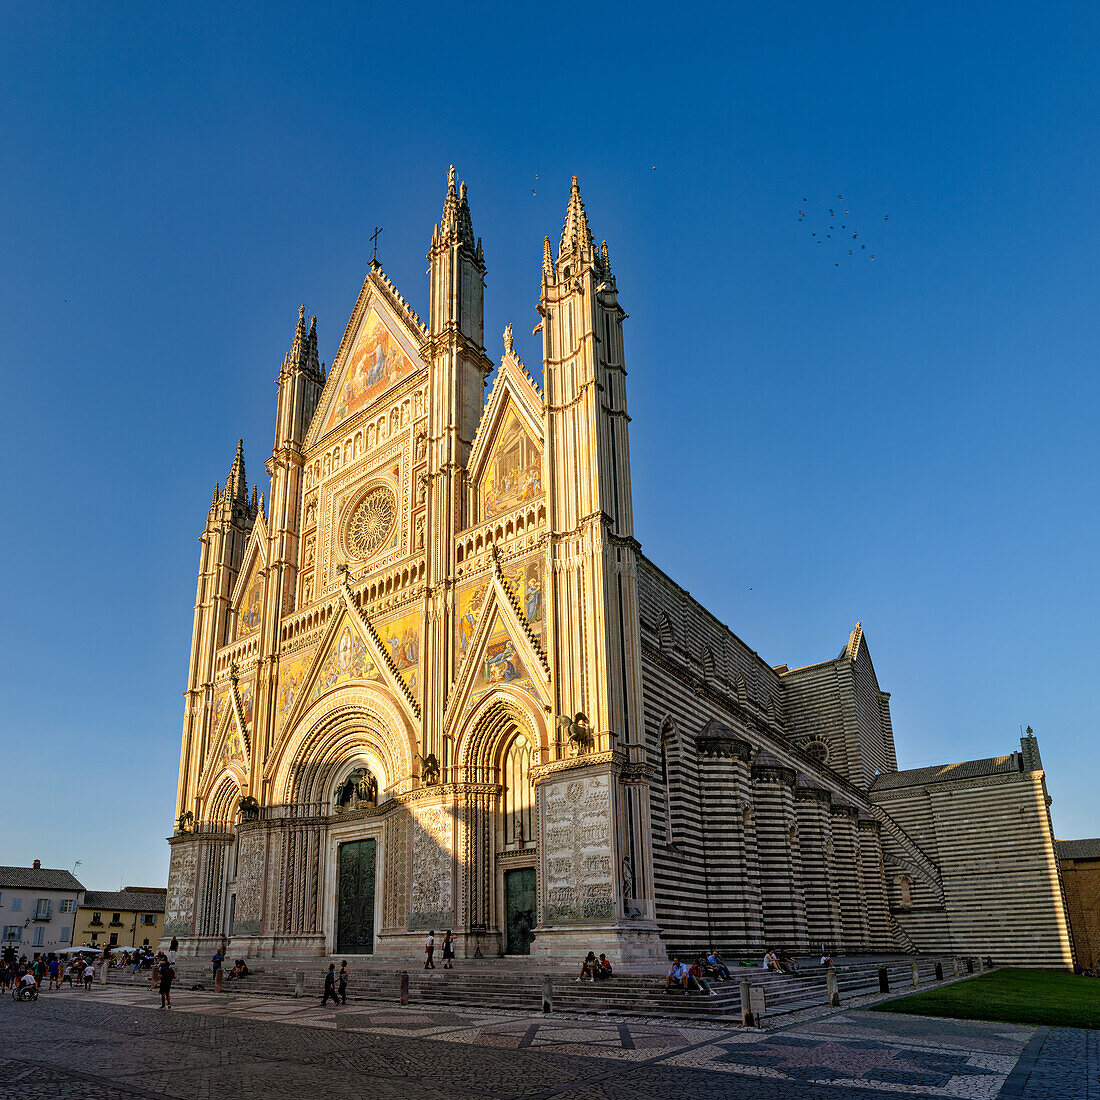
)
(831, 988)
(883, 980)
(547, 994)
(939, 972)
(404, 987)
(746, 1007)
(299, 983)
(916, 974)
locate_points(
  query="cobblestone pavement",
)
(115, 1043)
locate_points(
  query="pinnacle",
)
(236, 488)
(575, 234)
(456, 225)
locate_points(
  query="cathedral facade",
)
(435, 684)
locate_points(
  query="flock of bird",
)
(841, 228)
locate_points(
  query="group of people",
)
(695, 977)
(47, 971)
(448, 951)
(595, 970)
(779, 960)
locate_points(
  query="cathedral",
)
(435, 684)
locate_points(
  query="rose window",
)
(371, 522)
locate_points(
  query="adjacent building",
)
(436, 683)
(1079, 861)
(38, 907)
(133, 917)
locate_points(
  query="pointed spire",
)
(448, 224)
(605, 259)
(263, 510)
(254, 499)
(236, 489)
(547, 261)
(217, 493)
(576, 237)
(456, 226)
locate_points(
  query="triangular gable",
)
(510, 474)
(231, 727)
(380, 348)
(513, 392)
(347, 657)
(247, 597)
(499, 656)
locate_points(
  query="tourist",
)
(173, 947)
(696, 979)
(89, 974)
(771, 961)
(787, 963)
(330, 986)
(588, 967)
(603, 968)
(677, 975)
(167, 973)
(216, 963)
(54, 969)
(448, 951)
(429, 951)
(344, 982)
(716, 967)
(827, 960)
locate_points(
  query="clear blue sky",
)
(816, 438)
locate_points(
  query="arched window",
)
(519, 793)
(707, 663)
(905, 891)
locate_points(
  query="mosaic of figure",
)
(376, 362)
(349, 660)
(252, 606)
(514, 472)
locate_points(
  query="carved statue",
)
(249, 808)
(360, 788)
(628, 878)
(508, 339)
(186, 822)
(577, 731)
(429, 769)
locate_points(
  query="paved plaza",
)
(116, 1043)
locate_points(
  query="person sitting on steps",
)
(589, 967)
(603, 968)
(677, 975)
(716, 967)
(696, 979)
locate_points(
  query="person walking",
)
(343, 982)
(330, 986)
(173, 947)
(216, 963)
(167, 974)
(89, 974)
(448, 951)
(429, 951)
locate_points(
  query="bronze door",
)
(520, 903)
(355, 898)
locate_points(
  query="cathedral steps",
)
(505, 985)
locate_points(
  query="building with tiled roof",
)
(133, 917)
(38, 908)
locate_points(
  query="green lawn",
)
(1012, 996)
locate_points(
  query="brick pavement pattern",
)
(116, 1044)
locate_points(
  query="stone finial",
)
(508, 339)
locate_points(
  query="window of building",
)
(96, 919)
(16, 905)
(148, 918)
(116, 918)
(95, 936)
(519, 794)
(66, 933)
(13, 932)
(39, 935)
(905, 891)
(114, 939)
(145, 943)
(44, 909)
(67, 905)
